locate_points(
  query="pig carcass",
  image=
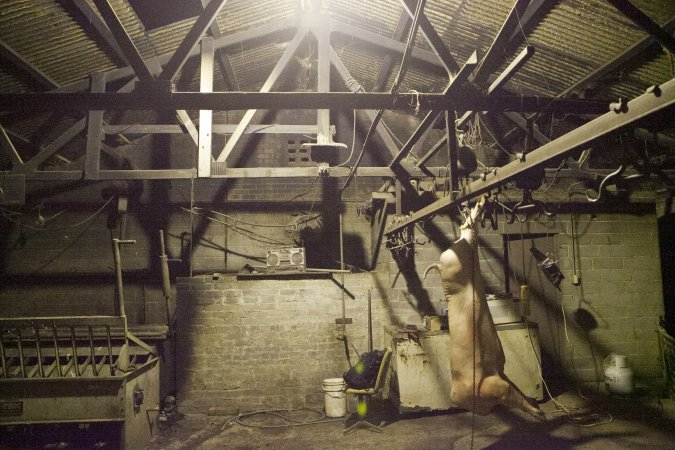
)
(476, 355)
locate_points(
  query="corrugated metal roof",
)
(573, 38)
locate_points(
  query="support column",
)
(205, 115)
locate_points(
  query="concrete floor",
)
(617, 423)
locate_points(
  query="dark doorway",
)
(667, 250)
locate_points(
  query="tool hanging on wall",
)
(489, 212)
(549, 265)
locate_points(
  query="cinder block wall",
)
(620, 286)
(252, 344)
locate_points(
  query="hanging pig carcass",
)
(476, 355)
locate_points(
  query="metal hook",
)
(606, 180)
(525, 204)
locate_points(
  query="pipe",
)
(118, 273)
(166, 283)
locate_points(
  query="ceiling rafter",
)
(432, 37)
(203, 23)
(9, 54)
(267, 86)
(388, 60)
(126, 44)
(227, 101)
(222, 58)
(646, 23)
(100, 26)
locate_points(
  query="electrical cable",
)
(69, 227)
(394, 89)
(277, 413)
(353, 142)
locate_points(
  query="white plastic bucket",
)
(335, 400)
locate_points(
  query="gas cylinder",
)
(618, 376)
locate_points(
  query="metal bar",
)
(658, 99)
(92, 160)
(200, 26)
(57, 355)
(9, 54)
(110, 353)
(74, 348)
(227, 101)
(646, 23)
(205, 116)
(38, 352)
(267, 86)
(50, 369)
(124, 40)
(92, 351)
(9, 149)
(19, 346)
(388, 60)
(432, 38)
(495, 54)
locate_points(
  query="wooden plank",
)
(95, 134)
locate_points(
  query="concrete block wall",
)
(251, 344)
(620, 286)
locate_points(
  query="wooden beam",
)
(495, 54)
(9, 54)
(216, 128)
(198, 29)
(227, 101)
(9, 149)
(432, 37)
(643, 21)
(221, 57)
(384, 43)
(610, 66)
(453, 86)
(205, 115)
(123, 39)
(322, 35)
(266, 88)
(101, 28)
(502, 79)
(355, 87)
(262, 32)
(388, 60)
(92, 162)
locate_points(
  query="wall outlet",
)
(576, 280)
